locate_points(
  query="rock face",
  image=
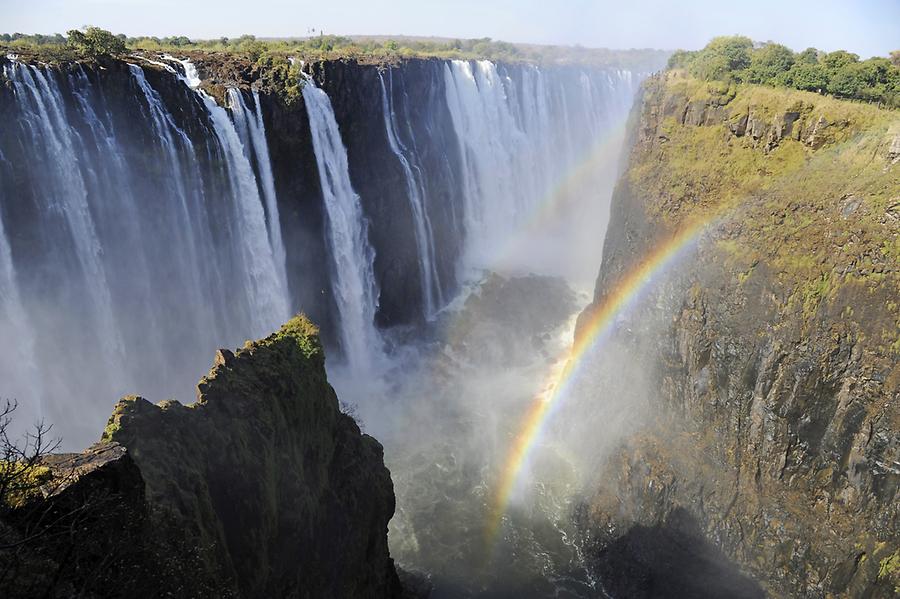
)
(774, 370)
(262, 488)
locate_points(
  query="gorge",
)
(715, 414)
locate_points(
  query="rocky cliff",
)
(262, 488)
(774, 372)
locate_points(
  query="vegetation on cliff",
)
(327, 47)
(840, 73)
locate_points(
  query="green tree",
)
(722, 58)
(895, 58)
(808, 56)
(94, 42)
(847, 81)
(839, 59)
(680, 59)
(768, 62)
(805, 76)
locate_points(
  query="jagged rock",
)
(816, 137)
(265, 470)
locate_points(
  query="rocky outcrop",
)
(772, 351)
(262, 488)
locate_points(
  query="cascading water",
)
(431, 284)
(253, 137)
(147, 232)
(352, 256)
(135, 245)
(17, 367)
(267, 290)
(67, 194)
(524, 135)
(179, 247)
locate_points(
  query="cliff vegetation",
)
(371, 49)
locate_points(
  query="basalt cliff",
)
(262, 488)
(774, 372)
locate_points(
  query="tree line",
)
(94, 42)
(840, 73)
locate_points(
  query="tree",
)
(895, 58)
(808, 56)
(21, 471)
(723, 58)
(839, 59)
(847, 81)
(805, 76)
(94, 42)
(768, 62)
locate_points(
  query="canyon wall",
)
(771, 345)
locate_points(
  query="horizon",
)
(867, 28)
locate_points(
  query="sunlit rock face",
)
(771, 344)
(262, 488)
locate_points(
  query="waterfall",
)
(131, 248)
(253, 137)
(424, 235)
(352, 257)
(17, 359)
(488, 137)
(185, 192)
(267, 295)
(140, 226)
(66, 194)
(262, 263)
(522, 134)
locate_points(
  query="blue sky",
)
(867, 27)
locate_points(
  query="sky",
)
(866, 27)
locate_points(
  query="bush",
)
(94, 42)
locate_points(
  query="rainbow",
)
(630, 288)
